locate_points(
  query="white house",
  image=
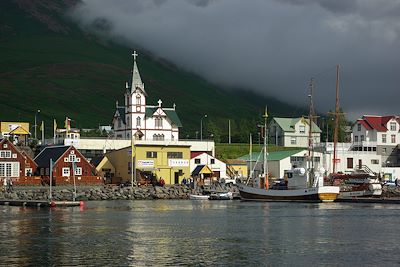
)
(292, 132)
(380, 134)
(201, 158)
(145, 122)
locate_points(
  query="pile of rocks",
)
(389, 192)
(114, 192)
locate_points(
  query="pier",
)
(40, 203)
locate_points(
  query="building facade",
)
(14, 163)
(216, 166)
(144, 122)
(18, 132)
(380, 134)
(152, 161)
(292, 132)
(69, 166)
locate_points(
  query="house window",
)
(196, 161)
(28, 171)
(212, 161)
(293, 140)
(393, 126)
(151, 154)
(383, 138)
(302, 129)
(362, 138)
(78, 171)
(65, 172)
(349, 163)
(384, 150)
(138, 121)
(174, 155)
(72, 158)
(374, 161)
(393, 138)
(5, 154)
(359, 127)
(5, 146)
(356, 138)
(138, 100)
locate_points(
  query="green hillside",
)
(48, 63)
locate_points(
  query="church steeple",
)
(136, 80)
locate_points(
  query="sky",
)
(273, 47)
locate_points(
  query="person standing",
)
(5, 184)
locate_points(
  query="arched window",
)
(138, 100)
(138, 121)
(162, 137)
(127, 121)
(158, 122)
(154, 137)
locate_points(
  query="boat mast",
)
(335, 136)
(265, 174)
(310, 137)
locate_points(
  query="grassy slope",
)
(79, 76)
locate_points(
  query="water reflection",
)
(202, 233)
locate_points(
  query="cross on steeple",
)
(134, 55)
(159, 102)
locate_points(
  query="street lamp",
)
(201, 127)
(37, 112)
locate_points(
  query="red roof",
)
(195, 154)
(375, 122)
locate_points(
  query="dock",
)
(40, 203)
(369, 200)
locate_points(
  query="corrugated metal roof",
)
(54, 153)
(171, 114)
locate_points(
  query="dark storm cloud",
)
(272, 47)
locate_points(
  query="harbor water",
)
(201, 233)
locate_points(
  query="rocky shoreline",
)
(86, 193)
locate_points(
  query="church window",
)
(138, 121)
(138, 100)
(119, 122)
(158, 122)
(127, 121)
(127, 100)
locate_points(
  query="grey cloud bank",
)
(271, 47)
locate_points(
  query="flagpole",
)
(42, 133)
(54, 131)
(73, 175)
(51, 179)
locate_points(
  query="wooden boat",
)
(303, 184)
(199, 197)
(221, 196)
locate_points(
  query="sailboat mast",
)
(335, 136)
(265, 148)
(311, 119)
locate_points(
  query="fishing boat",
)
(221, 196)
(357, 185)
(302, 184)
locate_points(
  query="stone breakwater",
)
(113, 192)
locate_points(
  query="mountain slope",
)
(48, 63)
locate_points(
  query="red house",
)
(16, 164)
(68, 165)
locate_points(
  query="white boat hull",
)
(313, 194)
(199, 197)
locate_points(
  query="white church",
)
(144, 122)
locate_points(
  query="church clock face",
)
(137, 109)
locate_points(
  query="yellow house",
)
(236, 167)
(17, 131)
(152, 161)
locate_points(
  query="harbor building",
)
(217, 167)
(18, 132)
(137, 118)
(152, 161)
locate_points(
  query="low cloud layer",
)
(272, 47)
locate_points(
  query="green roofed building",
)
(278, 161)
(292, 132)
(144, 122)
